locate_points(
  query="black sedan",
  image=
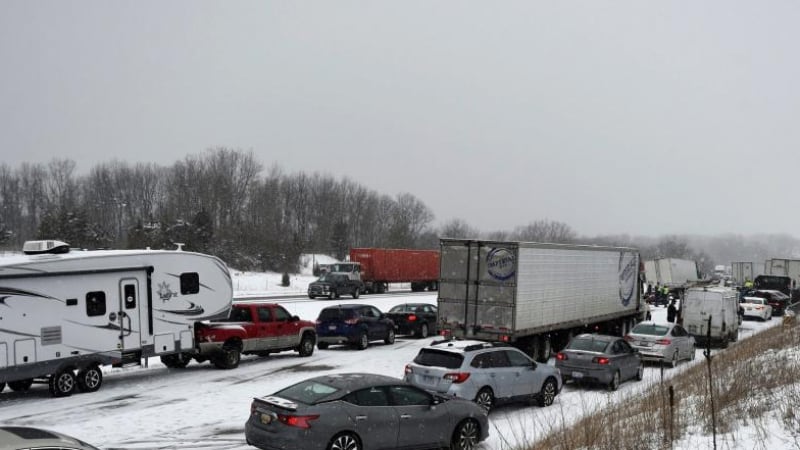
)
(357, 411)
(418, 319)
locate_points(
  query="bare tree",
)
(458, 229)
(545, 231)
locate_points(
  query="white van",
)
(718, 303)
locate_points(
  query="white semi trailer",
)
(536, 296)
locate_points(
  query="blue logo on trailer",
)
(628, 276)
(501, 264)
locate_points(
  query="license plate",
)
(266, 419)
(427, 379)
(577, 374)
(331, 327)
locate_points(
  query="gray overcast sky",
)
(636, 117)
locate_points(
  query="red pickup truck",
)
(251, 328)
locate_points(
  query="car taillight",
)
(412, 317)
(351, 321)
(409, 369)
(600, 360)
(297, 421)
(663, 342)
(561, 356)
(628, 338)
(252, 408)
(457, 377)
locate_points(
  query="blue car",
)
(353, 324)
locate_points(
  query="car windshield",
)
(308, 392)
(438, 358)
(588, 344)
(650, 329)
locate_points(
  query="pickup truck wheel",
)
(306, 347)
(229, 359)
(356, 293)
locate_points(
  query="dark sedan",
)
(601, 359)
(357, 411)
(418, 319)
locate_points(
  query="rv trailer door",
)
(129, 317)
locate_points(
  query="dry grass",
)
(755, 377)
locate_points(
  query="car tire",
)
(548, 393)
(640, 372)
(62, 383)
(312, 297)
(306, 347)
(345, 441)
(356, 293)
(363, 341)
(423, 331)
(466, 435)
(20, 385)
(229, 358)
(331, 295)
(613, 385)
(322, 345)
(2, 386)
(485, 398)
(90, 379)
(390, 336)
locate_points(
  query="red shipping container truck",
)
(381, 266)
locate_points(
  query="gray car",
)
(357, 411)
(667, 342)
(598, 358)
(485, 372)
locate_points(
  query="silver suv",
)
(485, 372)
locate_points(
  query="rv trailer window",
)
(190, 283)
(129, 291)
(95, 303)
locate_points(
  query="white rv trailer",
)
(65, 313)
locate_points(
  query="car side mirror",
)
(295, 318)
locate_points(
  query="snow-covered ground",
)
(201, 407)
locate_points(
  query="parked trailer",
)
(536, 296)
(741, 271)
(66, 313)
(377, 267)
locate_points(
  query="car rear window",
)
(327, 315)
(401, 308)
(438, 358)
(588, 344)
(650, 329)
(308, 392)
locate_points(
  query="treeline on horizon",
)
(223, 202)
